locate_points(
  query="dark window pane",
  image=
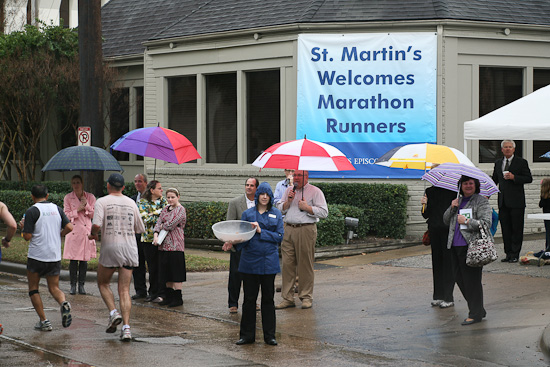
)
(139, 113)
(541, 78)
(263, 111)
(221, 118)
(497, 88)
(119, 116)
(182, 107)
(64, 13)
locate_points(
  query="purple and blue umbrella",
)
(82, 158)
(447, 175)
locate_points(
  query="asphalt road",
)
(369, 310)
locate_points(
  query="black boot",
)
(169, 293)
(177, 299)
(73, 268)
(82, 269)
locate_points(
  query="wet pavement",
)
(368, 310)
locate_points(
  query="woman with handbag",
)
(464, 217)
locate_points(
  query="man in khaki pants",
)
(302, 206)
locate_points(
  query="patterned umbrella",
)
(545, 155)
(304, 154)
(447, 176)
(422, 156)
(159, 143)
(82, 158)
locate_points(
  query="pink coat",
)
(77, 244)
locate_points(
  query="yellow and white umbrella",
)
(422, 156)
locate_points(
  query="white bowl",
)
(233, 231)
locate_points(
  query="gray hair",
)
(507, 141)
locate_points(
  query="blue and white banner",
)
(366, 94)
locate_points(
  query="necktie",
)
(507, 165)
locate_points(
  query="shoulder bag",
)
(481, 251)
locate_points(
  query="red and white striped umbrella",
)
(304, 154)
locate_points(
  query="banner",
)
(366, 94)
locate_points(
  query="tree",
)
(39, 75)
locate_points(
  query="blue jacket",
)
(260, 255)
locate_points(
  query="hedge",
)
(61, 187)
(380, 208)
(384, 205)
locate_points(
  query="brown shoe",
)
(285, 304)
(233, 309)
(307, 303)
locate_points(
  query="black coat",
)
(512, 193)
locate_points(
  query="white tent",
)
(527, 118)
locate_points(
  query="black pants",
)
(511, 224)
(140, 272)
(235, 279)
(251, 286)
(468, 280)
(152, 258)
(442, 268)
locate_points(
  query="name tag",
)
(272, 216)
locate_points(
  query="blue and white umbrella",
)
(545, 155)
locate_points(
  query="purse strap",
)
(482, 230)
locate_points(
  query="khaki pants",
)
(298, 253)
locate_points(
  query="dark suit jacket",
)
(236, 208)
(512, 194)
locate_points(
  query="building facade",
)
(225, 76)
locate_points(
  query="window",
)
(541, 78)
(263, 111)
(221, 118)
(497, 87)
(119, 118)
(139, 113)
(182, 107)
(64, 13)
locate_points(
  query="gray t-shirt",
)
(119, 219)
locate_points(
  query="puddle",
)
(174, 340)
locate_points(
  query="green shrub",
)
(331, 230)
(201, 216)
(355, 212)
(19, 201)
(384, 205)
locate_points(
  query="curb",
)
(21, 269)
(545, 341)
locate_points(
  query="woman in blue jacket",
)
(259, 265)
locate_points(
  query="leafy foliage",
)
(384, 205)
(201, 216)
(331, 230)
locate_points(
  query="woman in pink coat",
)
(79, 208)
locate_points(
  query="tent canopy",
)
(527, 118)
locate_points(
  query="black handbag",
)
(482, 250)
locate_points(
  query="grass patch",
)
(17, 253)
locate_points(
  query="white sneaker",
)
(446, 304)
(125, 335)
(436, 302)
(45, 325)
(114, 320)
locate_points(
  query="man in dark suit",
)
(234, 212)
(511, 173)
(139, 274)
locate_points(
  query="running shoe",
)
(66, 317)
(125, 334)
(114, 320)
(45, 325)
